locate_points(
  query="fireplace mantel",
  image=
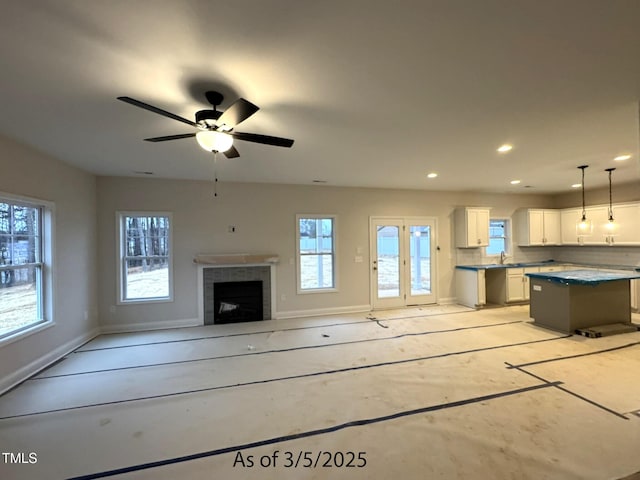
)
(235, 259)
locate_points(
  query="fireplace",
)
(235, 302)
(249, 277)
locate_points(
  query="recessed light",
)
(505, 148)
(576, 185)
(621, 158)
(432, 175)
(514, 182)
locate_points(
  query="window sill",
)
(316, 290)
(144, 301)
(14, 337)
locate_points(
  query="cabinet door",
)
(525, 280)
(536, 227)
(551, 223)
(568, 220)
(599, 216)
(515, 288)
(628, 219)
(482, 227)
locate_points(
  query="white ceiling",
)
(375, 93)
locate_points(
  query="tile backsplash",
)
(626, 256)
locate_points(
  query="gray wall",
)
(26, 172)
(264, 217)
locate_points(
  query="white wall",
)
(264, 217)
(26, 172)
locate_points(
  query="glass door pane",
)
(388, 241)
(420, 259)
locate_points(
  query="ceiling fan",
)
(215, 129)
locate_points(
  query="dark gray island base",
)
(578, 299)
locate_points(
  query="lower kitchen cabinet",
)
(508, 285)
(470, 287)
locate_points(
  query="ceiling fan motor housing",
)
(207, 118)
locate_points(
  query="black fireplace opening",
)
(235, 302)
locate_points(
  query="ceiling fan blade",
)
(170, 137)
(266, 139)
(232, 153)
(151, 108)
(238, 112)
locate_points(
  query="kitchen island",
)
(578, 299)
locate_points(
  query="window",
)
(316, 253)
(24, 285)
(498, 237)
(145, 257)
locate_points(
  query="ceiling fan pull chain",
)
(215, 174)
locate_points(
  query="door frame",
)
(405, 276)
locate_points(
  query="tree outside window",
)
(145, 257)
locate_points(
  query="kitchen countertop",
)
(508, 265)
(583, 277)
(546, 263)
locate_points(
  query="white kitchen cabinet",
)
(518, 284)
(599, 216)
(508, 285)
(627, 216)
(535, 227)
(471, 227)
(470, 287)
(568, 219)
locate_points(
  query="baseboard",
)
(142, 326)
(321, 311)
(447, 301)
(22, 374)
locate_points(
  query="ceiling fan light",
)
(213, 141)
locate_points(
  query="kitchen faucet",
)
(503, 257)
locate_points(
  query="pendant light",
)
(611, 227)
(584, 227)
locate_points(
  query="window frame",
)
(121, 258)
(334, 256)
(506, 237)
(43, 268)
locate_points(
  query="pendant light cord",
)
(610, 196)
(584, 211)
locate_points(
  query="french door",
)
(403, 269)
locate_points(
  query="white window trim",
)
(507, 244)
(48, 266)
(119, 259)
(305, 291)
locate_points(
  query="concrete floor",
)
(433, 392)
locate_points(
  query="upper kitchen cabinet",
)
(471, 227)
(535, 227)
(568, 219)
(627, 216)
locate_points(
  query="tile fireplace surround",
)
(232, 268)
